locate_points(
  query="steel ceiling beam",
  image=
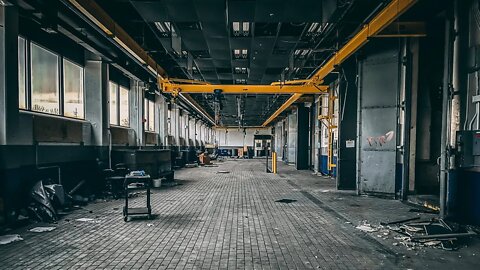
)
(102, 20)
(195, 88)
(383, 19)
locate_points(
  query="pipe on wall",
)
(446, 114)
(407, 106)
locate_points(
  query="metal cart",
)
(134, 183)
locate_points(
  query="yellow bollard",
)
(274, 162)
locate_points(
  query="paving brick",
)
(211, 221)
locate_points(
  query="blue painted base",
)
(324, 166)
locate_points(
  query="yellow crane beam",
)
(196, 88)
(384, 18)
(284, 106)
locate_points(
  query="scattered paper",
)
(85, 219)
(366, 228)
(9, 238)
(42, 229)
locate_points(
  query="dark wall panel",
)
(347, 129)
(302, 138)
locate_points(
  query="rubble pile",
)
(416, 233)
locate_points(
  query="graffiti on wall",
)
(381, 140)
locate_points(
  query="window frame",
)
(146, 109)
(63, 87)
(118, 101)
(25, 71)
(60, 82)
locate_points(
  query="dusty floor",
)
(231, 221)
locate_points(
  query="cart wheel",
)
(149, 216)
(125, 218)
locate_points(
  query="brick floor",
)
(214, 221)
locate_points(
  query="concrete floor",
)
(231, 221)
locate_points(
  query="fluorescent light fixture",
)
(240, 53)
(236, 26)
(240, 81)
(246, 27)
(163, 27)
(313, 27)
(241, 28)
(244, 53)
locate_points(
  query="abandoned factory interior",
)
(240, 134)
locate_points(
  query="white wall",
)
(234, 137)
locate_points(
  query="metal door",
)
(379, 87)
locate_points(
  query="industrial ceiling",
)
(240, 42)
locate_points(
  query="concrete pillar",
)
(9, 114)
(136, 100)
(162, 119)
(96, 100)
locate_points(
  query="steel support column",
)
(446, 89)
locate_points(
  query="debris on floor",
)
(42, 229)
(85, 219)
(223, 172)
(41, 208)
(191, 165)
(425, 211)
(9, 238)
(366, 227)
(416, 233)
(286, 201)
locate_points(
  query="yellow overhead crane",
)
(176, 86)
(374, 28)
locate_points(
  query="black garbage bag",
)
(56, 195)
(41, 208)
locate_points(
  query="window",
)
(22, 70)
(124, 108)
(151, 115)
(44, 78)
(113, 103)
(73, 90)
(119, 105)
(39, 77)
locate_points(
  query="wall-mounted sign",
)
(350, 143)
